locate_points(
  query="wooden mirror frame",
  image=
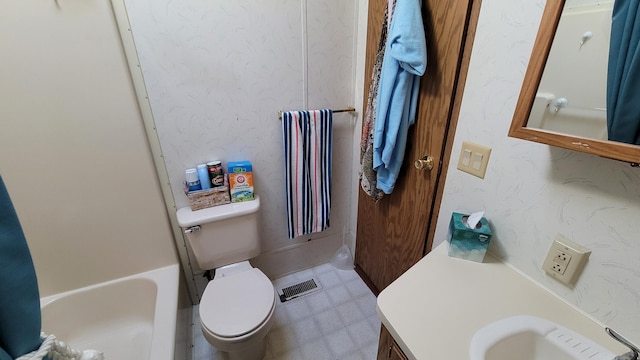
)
(537, 62)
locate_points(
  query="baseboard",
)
(298, 257)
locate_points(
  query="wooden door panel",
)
(391, 234)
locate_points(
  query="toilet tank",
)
(228, 233)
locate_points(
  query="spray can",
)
(216, 174)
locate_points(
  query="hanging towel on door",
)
(405, 60)
(307, 138)
(368, 175)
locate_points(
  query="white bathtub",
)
(132, 318)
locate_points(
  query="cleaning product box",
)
(468, 242)
(240, 180)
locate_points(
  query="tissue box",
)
(240, 180)
(466, 243)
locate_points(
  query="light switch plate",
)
(565, 260)
(474, 159)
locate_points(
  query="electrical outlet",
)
(565, 260)
(562, 258)
(559, 269)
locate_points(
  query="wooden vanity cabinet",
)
(388, 349)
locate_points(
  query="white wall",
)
(361, 52)
(73, 152)
(217, 74)
(532, 192)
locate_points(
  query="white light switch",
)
(466, 157)
(474, 159)
(477, 161)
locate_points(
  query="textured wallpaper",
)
(533, 192)
(218, 72)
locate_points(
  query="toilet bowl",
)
(237, 305)
(236, 311)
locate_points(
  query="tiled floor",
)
(337, 322)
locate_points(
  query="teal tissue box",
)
(466, 243)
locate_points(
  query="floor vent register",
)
(299, 289)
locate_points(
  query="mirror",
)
(548, 102)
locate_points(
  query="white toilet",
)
(237, 306)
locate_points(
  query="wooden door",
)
(393, 234)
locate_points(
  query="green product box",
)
(240, 180)
(467, 243)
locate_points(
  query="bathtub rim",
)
(164, 326)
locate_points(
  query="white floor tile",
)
(285, 281)
(281, 340)
(357, 288)
(329, 321)
(350, 313)
(361, 333)
(304, 275)
(322, 268)
(317, 349)
(375, 323)
(367, 304)
(338, 322)
(329, 279)
(370, 351)
(347, 275)
(338, 295)
(318, 302)
(297, 309)
(280, 317)
(306, 330)
(293, 354)
(340, 342)
(355, 355)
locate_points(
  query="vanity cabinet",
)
(388, 349)
(436, 319)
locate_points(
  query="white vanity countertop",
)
(434, 308)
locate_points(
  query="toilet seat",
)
(232, 306)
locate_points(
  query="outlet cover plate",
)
(474, 159)
(565, 260)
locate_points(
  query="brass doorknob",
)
(426, 163)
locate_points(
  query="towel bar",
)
(349, 109)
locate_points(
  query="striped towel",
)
(307, 137)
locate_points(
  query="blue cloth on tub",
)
(20, 320)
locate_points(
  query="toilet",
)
(237, 306)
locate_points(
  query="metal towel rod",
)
(349, 109)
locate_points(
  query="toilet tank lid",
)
(187, 217)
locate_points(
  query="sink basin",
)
(530, 338)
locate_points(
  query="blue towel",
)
(20, 322)
(405, 60)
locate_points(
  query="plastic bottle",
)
(203, 176)
(193, 183)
